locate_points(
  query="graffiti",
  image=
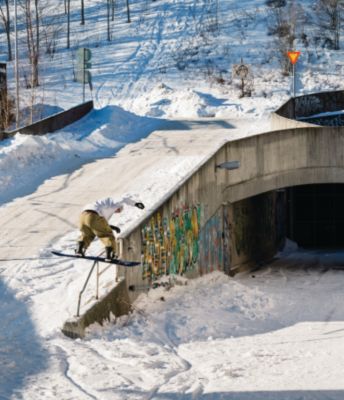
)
(335, 120)
(170, 245)
(211, 248)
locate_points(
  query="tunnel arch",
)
(280, 159)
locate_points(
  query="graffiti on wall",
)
(211, 248)
(170, 245)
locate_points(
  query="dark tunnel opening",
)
(315, 215)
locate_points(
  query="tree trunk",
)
(6, 21)
(37, 27)
(128, 12)
(112, 10)
(68, 24)
(108, 20)
(82, 12)
(32, 46)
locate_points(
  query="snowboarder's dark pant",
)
(92, 225)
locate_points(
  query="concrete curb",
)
(116, 302)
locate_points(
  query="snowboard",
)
(116, 261)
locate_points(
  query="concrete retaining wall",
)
(268, 162)
(54, 122)
(304, 106)
(116, 302)
(257, 229)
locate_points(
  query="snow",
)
(277, 331)
(160, 112)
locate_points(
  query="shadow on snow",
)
(21, 354)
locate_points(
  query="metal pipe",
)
(97, 282)
(84, 287)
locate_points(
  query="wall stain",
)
(211, 246)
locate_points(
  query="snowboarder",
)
(94, 223)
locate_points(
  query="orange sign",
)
(293, 56)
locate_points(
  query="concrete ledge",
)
(53, 122)
(312, 103)
(116, 302)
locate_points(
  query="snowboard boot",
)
(80, 250)
(109, 254)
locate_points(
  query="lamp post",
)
(16, 63)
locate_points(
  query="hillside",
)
(175, 58)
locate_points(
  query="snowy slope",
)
(175, 59)
(277, 335)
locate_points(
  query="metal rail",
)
(84, 287)
(98, 274)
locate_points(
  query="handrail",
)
(98, 274)
(84, 287)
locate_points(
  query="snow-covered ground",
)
(274, 334)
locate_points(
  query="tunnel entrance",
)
(315, 215)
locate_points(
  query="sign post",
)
(293, 57)
(83, 75)
(244, 74)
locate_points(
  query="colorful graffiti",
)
(211, 244)
(171, 245)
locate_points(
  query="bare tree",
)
(128, 12)
(37, 21)
(284, 18)
(328, 14)
(32, 25)
(68, 24)
(82, 12)
(50, 32)
(112, 10)
(6, 22)
(108, 19)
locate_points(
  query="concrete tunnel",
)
(290, 183)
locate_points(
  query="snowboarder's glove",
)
(115, 228)
(140, 206)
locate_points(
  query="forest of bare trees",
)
(46, 27)
(286, 19)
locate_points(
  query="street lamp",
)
(229, 165)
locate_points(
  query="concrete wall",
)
(279, 122)
(116, 302)
(178, 237)
(304, 106)
(54, 122)
(258, 229)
